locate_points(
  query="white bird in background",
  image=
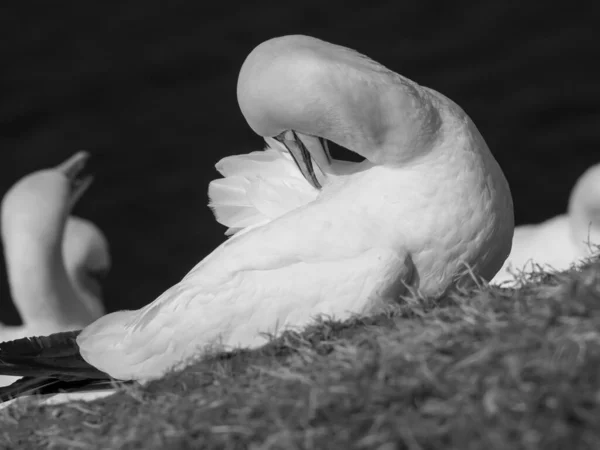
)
(427, 208)
(559, 242)
(54, 261)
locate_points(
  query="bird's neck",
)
(40, 286)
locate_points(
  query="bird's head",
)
(303, 92)
(38, 205)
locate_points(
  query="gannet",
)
(428, 209)
(561, 241)
(53, 260)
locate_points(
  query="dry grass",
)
(492, 368)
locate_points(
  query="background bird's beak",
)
(72, 169)
(303, 157)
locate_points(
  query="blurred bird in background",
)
(561, 241)
(55, 261)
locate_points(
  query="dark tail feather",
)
(56, 356)
(23, 386)
(49, 364)
(44, 386)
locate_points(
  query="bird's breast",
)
(449, 214)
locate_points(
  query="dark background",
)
(149, 88)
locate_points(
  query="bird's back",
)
(549, 244)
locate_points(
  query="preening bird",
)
(428, 208)
(561, 241)
(54, 260)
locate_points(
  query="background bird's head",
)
(38, 205)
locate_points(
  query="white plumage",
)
(257, 188)
(427, 208)
(86, 254)
(428, 201)
(558, 243)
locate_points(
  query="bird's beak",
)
(303, 157)
(72, 169)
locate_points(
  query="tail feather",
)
(26, 386)
(57, 345)
(36, 386)
(54, 356)
(49, 365)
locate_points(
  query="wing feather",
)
(258, 187)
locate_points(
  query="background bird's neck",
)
(40, 287)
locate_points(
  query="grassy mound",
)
(490, 368)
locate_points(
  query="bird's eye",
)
(343, 154)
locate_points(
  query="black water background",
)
(149, 88)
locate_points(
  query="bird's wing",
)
(282, 273)
(257, 188)
(281, 286)
(193, 318)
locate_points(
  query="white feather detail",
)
(257, 188)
